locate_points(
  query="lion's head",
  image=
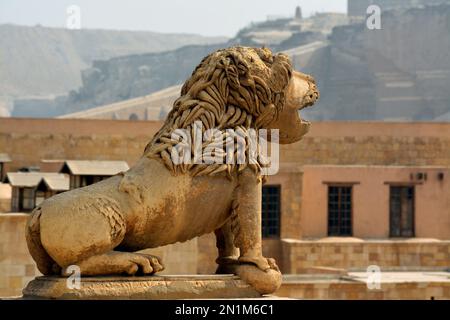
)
(238, 88)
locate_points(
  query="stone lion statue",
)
(158, 202)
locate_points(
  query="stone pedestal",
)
(150, 287)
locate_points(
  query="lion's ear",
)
(281, 72)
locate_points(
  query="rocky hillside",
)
(120, 79)
(44, 61)
(401, 72)
(126, 77)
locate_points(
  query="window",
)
(271, 211)
(83, 181)
(27, 199)
(339, 211)
(75, 182)
(15, 199)
(401, 205)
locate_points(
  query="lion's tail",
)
(44, 262)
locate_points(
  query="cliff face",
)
(46, 61)
(401, 72)
(110, 80)
(133, 76)
(120, 79)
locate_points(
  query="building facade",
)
(376, 202)
(349, 195)
(408, 158)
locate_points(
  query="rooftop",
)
(94, 167)
(54, 183)
(32, 179)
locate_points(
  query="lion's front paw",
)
(261, 273)
(265, 282)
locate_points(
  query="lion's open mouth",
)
(308, 101)
(301, 119)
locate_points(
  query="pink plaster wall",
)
(371, 200)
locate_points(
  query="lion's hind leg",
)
(45, 264)
(83, 228)
(228, 252)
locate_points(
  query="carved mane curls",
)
(237, 88)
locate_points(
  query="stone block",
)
(143, 288)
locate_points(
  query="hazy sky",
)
(207, 17)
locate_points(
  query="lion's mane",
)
(235, 88)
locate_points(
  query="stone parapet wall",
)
(17, 267)
(299, 256)
(341, 290)
(5, 205)
(372, 143)
(340, 143)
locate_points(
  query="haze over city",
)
(203, 17)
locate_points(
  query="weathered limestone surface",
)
(162, 200)
(149, 287)
(393, 286)
(420, 254)
(17, 267)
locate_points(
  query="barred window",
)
(271, 198)
(28, 199)
(402, 211)
(339, 210)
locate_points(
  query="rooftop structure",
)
(94, 167)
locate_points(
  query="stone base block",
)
(146, 287)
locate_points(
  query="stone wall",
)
(290, 181)
(300, 256)
(16, 265)
(73, 139)
(347, 290)
(371, 143)
(5, 197)
(339, 143)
